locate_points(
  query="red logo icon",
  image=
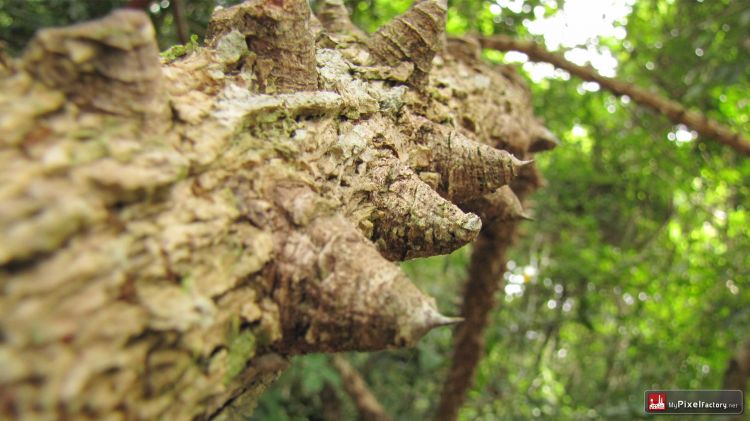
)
(657, 402)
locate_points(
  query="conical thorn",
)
(467, 168)
(518, 163)
(413, 220)
(441, 320)
(280, 35)
(334, 17)
(543, 140)
(526, 216)
(109, 64)
(500, 205)
(338, 293)
(416, 36)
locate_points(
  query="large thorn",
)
(335, 19)
(278, 32)
(466, 49)
(468, 169)
(412, 220)
(415, 36)
(529, 179)
(338, 293)
(500, 205)
(542, 139)
(111, 64)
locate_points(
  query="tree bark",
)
(173, 228)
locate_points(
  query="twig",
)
(367, 404)
(672, 109)
(178, 10)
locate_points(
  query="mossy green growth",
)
(176, 51)
(241, 349)
(232, 47)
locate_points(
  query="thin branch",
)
(673, 110)
(485, 278)
(367, 404)
(486, 269)
(330, 402)
(178, 10)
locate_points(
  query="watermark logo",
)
(657, 402)
(719, 402)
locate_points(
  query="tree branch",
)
(367, 404)
(486, 269)
(180, 21)
(173, 230)
(672, 109)
(485, 279)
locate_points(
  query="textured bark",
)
(278, 34)
(334, 17)
(414, 36)
(675, 111)
(367, 404)
(172, 229)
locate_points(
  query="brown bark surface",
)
(173, 228)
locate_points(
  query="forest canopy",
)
(634, 273)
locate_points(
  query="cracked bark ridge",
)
(166, 267)
(278, 32)
(110, 65)
(415, 36)
(335, 19)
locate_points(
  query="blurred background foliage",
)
(635, 273)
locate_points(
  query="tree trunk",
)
(737, 372)
(174, 228)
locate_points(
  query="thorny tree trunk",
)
(173, 229)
